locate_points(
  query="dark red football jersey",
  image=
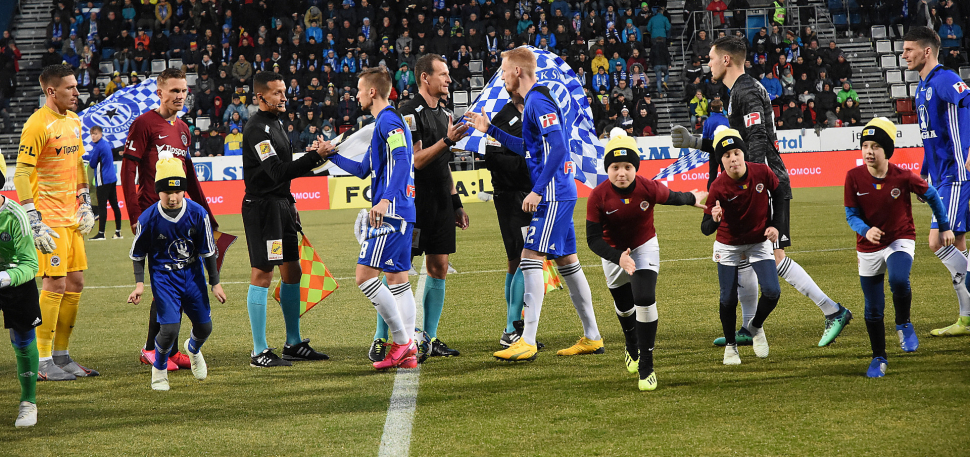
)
(149, 135)
(745, 204)
(884, 203)
(627, 219)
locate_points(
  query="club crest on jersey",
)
(5, 237)
(77, 131)
(929, 93)
(960, 87)
(410, 191)
(180, 250)
(895, 193)
(569, 167)
(55, 261)
(752, 119)
(274, 250)
(644, 206)
(548, 120)
(185, 140)
(759, 188)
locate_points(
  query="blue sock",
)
(161, 357)
(195, 345)
(290, 303)
(434, 304)
(380, 333)
(256, 302)
(516, 300)
(21, 340)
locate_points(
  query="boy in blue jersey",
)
(551, 202)
(942, 101)
(390, 163)
(102, 162)
(176, 237)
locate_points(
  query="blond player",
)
(52, 187)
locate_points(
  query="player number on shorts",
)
(363, 249)
(532, 232)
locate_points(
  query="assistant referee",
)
(272, 222)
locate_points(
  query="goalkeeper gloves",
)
(85, 215)
(680, 137)
(43, 235)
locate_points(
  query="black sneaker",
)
(519, 326)
(509, 339)
(440, 349)
(377, 350)
(268, 359)
(302, 351)
(98, 237)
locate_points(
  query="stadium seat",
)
(898, 46)
(888, 61)
(894, 76)
(911, 76)
(475, 67)
(884, 47)
(174, 63)
(102, 81)
(343, 128)
(904, 105)
(124, 79)
(158, 66)
(475, 94)
(912, 89)
(964, 72)
(777, 110)
(203, 123)
(478, 82)
(898, 91)
(106, 67)
(460, 110)
(909, 119)
(902, 61)
(191, 78)
(83, 97)
(460, 98)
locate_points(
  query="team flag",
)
(586, 150)
(317, 283)
(223, 242)
(684, 163)
(550, 275)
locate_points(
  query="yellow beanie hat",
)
(169, 173)
(621, 148)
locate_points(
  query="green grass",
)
(802, 400)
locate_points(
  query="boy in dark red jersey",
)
(619, 228)
(744, 231)
(155, 131)
(879, 210)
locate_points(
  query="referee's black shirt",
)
(268, 165)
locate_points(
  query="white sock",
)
(387, 307)
(795, 275)
(954, 261)
(534, 293)
(582, 298)
(405, 304)
(747, 292)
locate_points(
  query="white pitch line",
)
(396, 440)
(424, 272)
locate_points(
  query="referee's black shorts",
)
(271, 231)
(784, 228)
(434, 226)
(512, 221)
(21, 306)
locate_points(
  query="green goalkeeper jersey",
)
(18, 257)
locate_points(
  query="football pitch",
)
(801, 400)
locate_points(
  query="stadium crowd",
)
(619, 49)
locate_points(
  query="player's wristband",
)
(448, 142)
(456, 201)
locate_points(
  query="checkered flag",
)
(116, 113)
(686, 162)
(585, 148)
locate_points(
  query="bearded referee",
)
(272, 222)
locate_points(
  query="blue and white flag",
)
(116, 113)
(685, 163)
(585, 148)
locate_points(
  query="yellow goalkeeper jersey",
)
(50, 156)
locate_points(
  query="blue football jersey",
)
(391, 148)
(547, 152)
(173, 243)
(944, 122)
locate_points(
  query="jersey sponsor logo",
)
(66, 149)
(752, 119)
(759, 188)
(644, 205)
(895, 193)
(569, 167)
(410, 191)
(265, 150)
(960, 87)
(411, 122)
(176, 152)
(274, 250)
(549, 120)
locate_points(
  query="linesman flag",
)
(317, 283)
(550, 275)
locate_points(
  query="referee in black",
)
(511, 183)
(437, 204)
(272, 222)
